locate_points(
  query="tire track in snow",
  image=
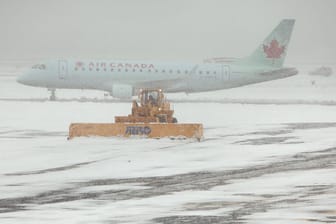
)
(164, 185)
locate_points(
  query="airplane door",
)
(191, 80)
(225, 73)
(62, 69)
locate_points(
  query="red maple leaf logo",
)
(274, 50)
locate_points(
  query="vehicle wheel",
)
(162, 119)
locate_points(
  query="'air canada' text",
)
(112, 65)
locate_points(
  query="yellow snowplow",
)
(151, 117)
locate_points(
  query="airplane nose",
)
(24, 79)
(21, 79)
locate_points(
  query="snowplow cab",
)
(154, 97)
(151, 107)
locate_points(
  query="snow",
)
(268, 155)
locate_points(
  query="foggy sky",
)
(187, 30)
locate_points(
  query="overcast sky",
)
(188, 30)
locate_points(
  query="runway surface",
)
(265, 159)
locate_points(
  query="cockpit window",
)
(39, 66)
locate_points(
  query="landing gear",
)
(106, 95)
(52, 94)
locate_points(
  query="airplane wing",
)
(170, 84)
(162, 84)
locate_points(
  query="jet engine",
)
(122, 91)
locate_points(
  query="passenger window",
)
(39, 66)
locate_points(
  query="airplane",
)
(123, 78)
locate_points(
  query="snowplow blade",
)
(150, 130)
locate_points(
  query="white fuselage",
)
(121, 78)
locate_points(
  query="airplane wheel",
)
(52, 98)
(53, 95)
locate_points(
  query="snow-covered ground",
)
(268, 156)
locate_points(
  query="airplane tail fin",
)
(272, 51)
